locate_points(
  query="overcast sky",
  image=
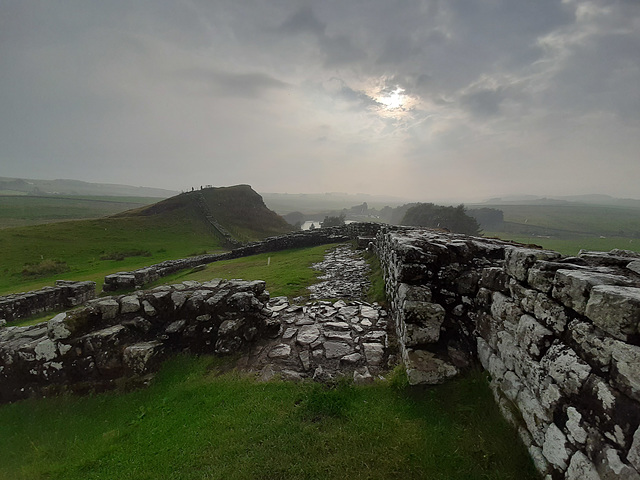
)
(455, 99)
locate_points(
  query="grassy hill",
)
(31, 257)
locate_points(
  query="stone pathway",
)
(325, 339)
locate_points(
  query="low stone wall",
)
(308, 238)
(559, 337)
(65, 294)
(121, 338)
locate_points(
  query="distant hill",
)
(26, 186)
(238, 209)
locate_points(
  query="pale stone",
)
(280, 351)
(148, 308)
(532, 336)
(534, 415)
(374, 353)
(369, 312)
(581, 468)
(129, 304)
(307, 334)
(539, 460)
(175, 327)
(425, 368)
(592, 346)
(305, 359)
(178, 299)
(566, 368)
(352, 358)
(573, 287)
(336, 349)
(362, 377)
(46, 350)
(346, 336)
(289, 333)
(626, 375)
(427, 316)
(614, 309)
(554, 448)
(519, 260)
(511, 386)
(338, 326)
(633, 457)
(611, 467)
(137, 357)
(108, 308)
(504, 308)
(577, 433)
(550, 313)
(57, 328)
(634, 266)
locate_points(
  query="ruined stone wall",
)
(309, 238)
(125, 337)
(559, 337)
(65, 294)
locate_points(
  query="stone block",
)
(109, 308)
(625, 373)
(415, 293)
(610, 466)
(566, 368)
(591, 344)
(428, 317)
(425, 368)
(142, 357)
(550, 313)
(534, 415)
(575, 431)
(505, 309)
(554, 447)
(573, 287)
(633, 457)
(57, 328)
(581, 468)
(494, 278)
(129, 304)
(615, 309)
(519, 260)
(533, 337)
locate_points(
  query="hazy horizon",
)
(422, 99)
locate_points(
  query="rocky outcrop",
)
(65, 294)
(309, 238)
(559, 336)
(122, 338)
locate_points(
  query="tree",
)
(453, 219)
(333, 221)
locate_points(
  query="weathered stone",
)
(423, 322)
(581, 468)
(374, 353)
(338, 326)
(625, 374)
(46, 350)
(594, 347)
(362, 377)
(550, 313)
(289, 333)
(369, 312)
(337, 349)
(333, 335)
(518, 260)
(178, 299)
(614, 309)
(511, 385)
(57, 328)
(280, 351)
(633, 457)
(573, 287)
(566, 368)
(533, 414)
(140, 357)
(415, 293)
(532, 336)
(610, 466)
(149, 309)
(554, 448)
(425, 368)
(634, 266)
(109, 308)
(352, 358)
(129, 304)
(505, 309)
(305, 359)
(307, 334)
(175, 327)
(577, 433)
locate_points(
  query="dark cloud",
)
(245, 85)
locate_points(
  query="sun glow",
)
(393, 100)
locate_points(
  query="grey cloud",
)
(303, 20)
(484, 103)
(246, 85)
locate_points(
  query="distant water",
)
(307, 225)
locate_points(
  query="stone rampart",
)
(65, 294)
(309, 238)
(123, 338)
(558, 335)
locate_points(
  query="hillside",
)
(34, 256)
(238, 209)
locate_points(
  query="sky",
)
(420, 99)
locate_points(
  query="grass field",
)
(196, 423)
(80, 245)
(571, 246)
(24, 210)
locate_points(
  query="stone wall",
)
(65, 294)
(559, 337)
(309, 238)
(123, 338)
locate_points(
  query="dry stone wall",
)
(123, 338)
(65, 294)
(558, 335)
(309, 238)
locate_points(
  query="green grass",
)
(81, 244)
(287, 273)
(195, 423)
(376, 291)
(27, 210)
(571, 246)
